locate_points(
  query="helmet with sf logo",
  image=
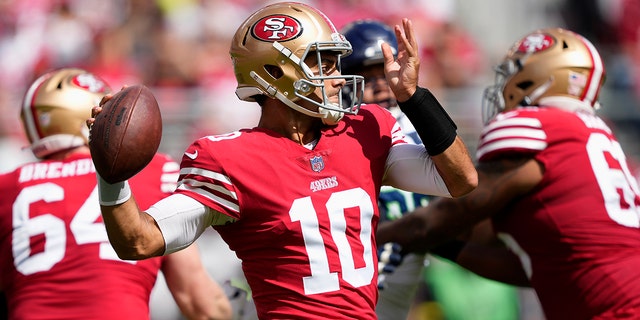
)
(56, 106)
(554, 67)
(269, 51)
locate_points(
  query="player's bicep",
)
(182, 220)
(409, 167)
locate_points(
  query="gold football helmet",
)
(269, 50)
(56, 107)
(554, 67)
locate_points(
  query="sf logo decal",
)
(276, 28)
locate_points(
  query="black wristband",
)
(431, 121)
(449, 250)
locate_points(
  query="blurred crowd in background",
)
(179, 48)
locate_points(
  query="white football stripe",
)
(30, 122)
(529, 144)
(525, 133)
(206, 173)
(513, 122)
(197, 184)
(225, 203)
(596, 76)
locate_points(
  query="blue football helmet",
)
(365, 37)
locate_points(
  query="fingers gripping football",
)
(126, 133)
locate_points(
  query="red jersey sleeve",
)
(516, 132)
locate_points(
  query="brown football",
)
(126, 134)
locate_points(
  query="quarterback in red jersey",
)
(55, 258)
(399, 275)
(555, 182)
(296, 196)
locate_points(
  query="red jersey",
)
(304, 217)
(577, 232)
(55, 258)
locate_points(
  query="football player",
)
(555, 182)
(400, 275)
(55, 258)
(296, 196)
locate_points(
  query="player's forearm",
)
(133, 234)
(427, 227)
(411, 232)
(206, 300)
(456, 169)
(196, 293)
(432, 123)
(438, 134)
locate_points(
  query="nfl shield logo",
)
(317, 164)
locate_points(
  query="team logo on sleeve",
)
(276, 28)
(317, 163)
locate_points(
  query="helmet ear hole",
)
(274, 71)
(524, 85)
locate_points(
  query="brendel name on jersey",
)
(325, 183)
(593, 121)
(53, 170)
